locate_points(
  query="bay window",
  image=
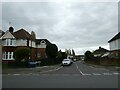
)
(9, 42)
(8, 56)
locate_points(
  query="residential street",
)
(78, 75)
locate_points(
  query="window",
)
(43, 42)
(8, 55)
(7, 41)
(10, 42)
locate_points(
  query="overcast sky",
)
(70, 25)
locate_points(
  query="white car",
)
(67, 62)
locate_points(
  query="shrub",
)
(88, 55)
(21, 53)
(51, 50)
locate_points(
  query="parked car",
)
(67, 62)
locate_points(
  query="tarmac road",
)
(78, 75)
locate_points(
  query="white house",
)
(114, 44)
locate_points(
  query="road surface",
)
(78, 75)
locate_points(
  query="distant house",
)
(114, 44)
(99, 52)
(21, 38)
(79, 57)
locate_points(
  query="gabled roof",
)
(115, 37)
(22, 34)
(100, 51)
(39, 40)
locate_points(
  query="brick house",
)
(21, 38)
(114, 45)
(40, 48)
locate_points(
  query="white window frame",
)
(8, 56)
(9, 42)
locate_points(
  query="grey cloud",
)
(69, 25)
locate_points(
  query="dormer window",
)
(42, 42)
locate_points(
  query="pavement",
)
(111, 68)
(34, 70)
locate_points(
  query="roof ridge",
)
(117, 36)
(26, 35)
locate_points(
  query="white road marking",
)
(16, 74)
(86, 74)
(96, 74)
(51, 70)
(79, 70)
(116, 73)
(107, 73)
(98, 68)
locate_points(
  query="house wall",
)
(41, 53)
(114, 45)
(21, 42)
(32, 43)
(7, 35)
(41, 46)
(33, 54)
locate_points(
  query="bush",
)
(21, 53)
(51, 50)
(88, 55)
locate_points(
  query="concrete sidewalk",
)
(35, 70)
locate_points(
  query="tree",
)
(21, 53)
(73, 52)
(51, 51)
(88, 55)
(64, 55)
(59, 55)
(33, 35)
(66, 51)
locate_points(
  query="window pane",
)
(10, 41)
(6, 55)
(9, 55)
(7, 42)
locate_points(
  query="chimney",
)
(11, 29)
(99, 47)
